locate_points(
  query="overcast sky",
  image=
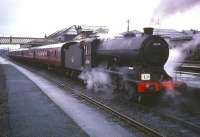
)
(37, 17)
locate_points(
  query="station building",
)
(67, 34)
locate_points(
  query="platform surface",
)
(32, 113)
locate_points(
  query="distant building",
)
(67, 34)
(70, 33)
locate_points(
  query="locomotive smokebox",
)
(148, 30)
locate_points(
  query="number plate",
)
(145, 76)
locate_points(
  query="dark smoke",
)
(170, 7)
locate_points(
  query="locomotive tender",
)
(135, 63)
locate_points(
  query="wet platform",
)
(31, 112)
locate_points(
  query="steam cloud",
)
(96, 79)
(177, 55)
(170, 7)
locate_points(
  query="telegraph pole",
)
(128, 22)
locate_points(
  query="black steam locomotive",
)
(135, 63)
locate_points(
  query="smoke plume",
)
(178, 55)
(170, 7)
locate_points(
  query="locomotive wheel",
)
(71, 74)
(67, 73)
(130, 91)
(182, 87)
(139, 98)
(115, 83)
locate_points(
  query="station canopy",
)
(77, 29)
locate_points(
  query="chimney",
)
(148, 31)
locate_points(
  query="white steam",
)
(178, 55)
(96, 79)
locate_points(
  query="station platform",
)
(30, 112)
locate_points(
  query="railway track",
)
(168, 116)
(179, 73)
(130, 121)
(146, 129)
(174, 119)
(191, 78)
(194, 68)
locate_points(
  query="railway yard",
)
(73, 68)
(40, 102)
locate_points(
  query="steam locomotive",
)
(135, 63)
